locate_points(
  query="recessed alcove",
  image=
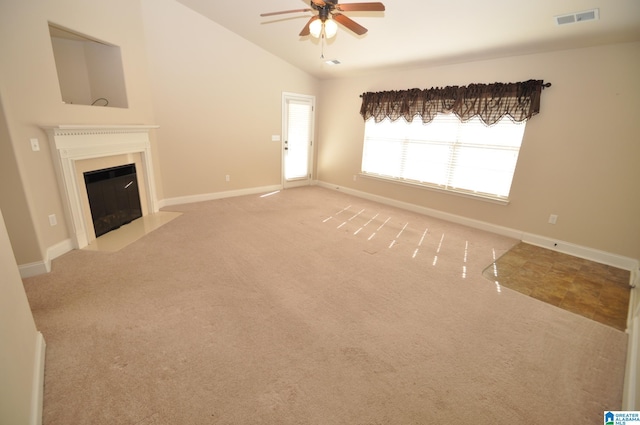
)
(89, 70)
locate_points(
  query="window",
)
(455, 138)
(445, 153)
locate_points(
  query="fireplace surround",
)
(80, 148)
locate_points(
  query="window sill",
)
(464, 194)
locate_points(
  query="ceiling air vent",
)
(572, 18)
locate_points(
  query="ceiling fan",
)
(324, 23)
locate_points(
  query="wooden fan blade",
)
(349, 23)
(285, 11)
(360, 7)
(319, 3)
(305, 31)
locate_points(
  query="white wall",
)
(21, 346)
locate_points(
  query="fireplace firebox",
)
(114, 198)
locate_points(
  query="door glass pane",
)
(297, 155)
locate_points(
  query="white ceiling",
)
(412, 33)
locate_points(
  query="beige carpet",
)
(312, 307)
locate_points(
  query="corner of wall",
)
(630, 396)
(37, 395)
(44, 266)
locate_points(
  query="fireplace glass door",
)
(114, 198)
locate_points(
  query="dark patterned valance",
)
(490, 102)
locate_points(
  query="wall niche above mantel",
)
(89, 70)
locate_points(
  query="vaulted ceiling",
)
(411, 33)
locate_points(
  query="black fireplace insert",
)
(114, 198)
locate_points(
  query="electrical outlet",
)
(53, 220)
(355, 177)
(35, 144)
(553, 218)
(227, 177)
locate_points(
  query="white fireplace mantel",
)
(72, 143)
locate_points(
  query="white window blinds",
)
(467, 157)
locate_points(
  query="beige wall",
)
(579, 157)
(18, 338)
(217, 99)
(31, 98)
(12, 198)
(71, 66)
(193, 77)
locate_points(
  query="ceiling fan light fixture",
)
(330, 28)
(315, 28)
(318, 27)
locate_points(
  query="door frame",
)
(300, 181)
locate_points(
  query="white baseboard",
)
(37, 391)
(33, 269)
(591, 254)
(59, 249)
(543, 241)
(44, 266)
(216, 195)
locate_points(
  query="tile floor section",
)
(117, 239)
(593, 290)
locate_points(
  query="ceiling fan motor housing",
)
(324, 9)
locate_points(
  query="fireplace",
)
(114, 199)
(79, 150)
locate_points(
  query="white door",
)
(297, 144)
